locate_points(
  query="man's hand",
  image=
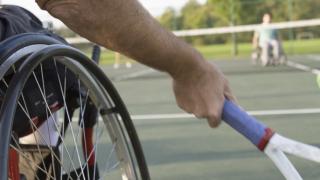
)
(202, 92)
(125, 26)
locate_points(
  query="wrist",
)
(193, 65)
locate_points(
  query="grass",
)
(224, 51)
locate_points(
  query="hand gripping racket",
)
(269, 142)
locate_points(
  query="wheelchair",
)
(61, 117)
(256, 57)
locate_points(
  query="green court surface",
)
(179, 147)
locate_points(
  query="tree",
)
(217, 13)
(195, 15)
(170, 20)
(227, 11)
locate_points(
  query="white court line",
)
(303, 67)
(314, 57)
(252, 113)
(134, 74)
(189, 116)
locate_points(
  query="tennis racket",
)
(272, 144)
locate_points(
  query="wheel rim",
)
(128, 170)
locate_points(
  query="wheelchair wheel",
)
(61, 118)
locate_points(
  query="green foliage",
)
(170, 20)
(195, 15)
(217, 13)
(223, 51)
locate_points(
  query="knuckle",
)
(213, 123)
(214, 115)
(185, 108)
(199, 115)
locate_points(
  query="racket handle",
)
(246, 125)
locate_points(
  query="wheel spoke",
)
(110, 152)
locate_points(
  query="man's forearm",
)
(125, 26)
(135, 33)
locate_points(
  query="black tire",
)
(83, 86)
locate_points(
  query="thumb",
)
(228, 94)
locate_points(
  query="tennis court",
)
(178, 146)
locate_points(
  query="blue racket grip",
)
(246, 125)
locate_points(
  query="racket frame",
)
(272, 144)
